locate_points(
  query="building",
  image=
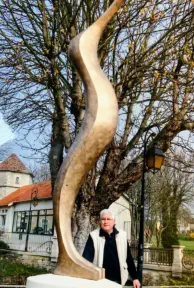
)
(13, 174)
(26, 214)
(28, 223)
(120, 208)
(186, 225)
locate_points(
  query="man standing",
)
(108, 247)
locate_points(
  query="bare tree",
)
(41, 172)
(166, 195)
(147, 53)
(5, 149)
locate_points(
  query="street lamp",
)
(153, 158)
(34, 201)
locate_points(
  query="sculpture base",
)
(57, 281)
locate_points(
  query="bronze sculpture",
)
(96, 133)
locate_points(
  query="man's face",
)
(107, 223)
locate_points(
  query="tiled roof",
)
(24, 193)
(14, 164)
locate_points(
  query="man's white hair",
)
(107, 211)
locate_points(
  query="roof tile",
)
(24, 193)
(13, 163)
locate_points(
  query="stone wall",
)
(154, 277)
(14, 286)
(36, 260)
(27, 258)
(9, 184)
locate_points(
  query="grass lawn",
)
(189, 245)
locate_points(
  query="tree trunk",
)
(83, 228)
(56, 152)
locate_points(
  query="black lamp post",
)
(34, 201)
(153, 158)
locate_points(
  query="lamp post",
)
(34, 201)
(152, 159)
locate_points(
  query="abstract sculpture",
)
(96, 133)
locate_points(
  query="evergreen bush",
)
(3, 245)
(170, 236)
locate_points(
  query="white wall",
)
(42, 204)
(11, 181)
(3, 213)
(25, 206)
(18, 240)
(3, 183)
(120, 209)
(9, 219)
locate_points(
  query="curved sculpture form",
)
(96, 133)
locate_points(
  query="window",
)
(41, 222)
(20, 222)
(3, 220)
(45, 222)
(17, 180)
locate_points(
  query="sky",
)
(6, 133)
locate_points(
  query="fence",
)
(157, 256)
(40, 243)
(36, 243)
(46, 245)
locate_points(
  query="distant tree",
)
(166, 194)
(133, 195)
(5, 149)
(179, 190)
(185, 214)
(41, 172)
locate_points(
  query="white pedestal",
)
(57, 281)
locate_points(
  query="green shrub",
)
(185, 280)
(9, 267)
(181, 236)
(3, 245)
(188, 238)
(162, 280)
(169, 236)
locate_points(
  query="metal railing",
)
(36, 243)
(160, 256)
(44, 247)
(40, 243)
(157, 256)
